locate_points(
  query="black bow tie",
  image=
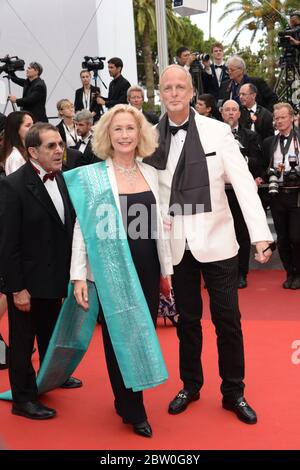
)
(218, 66)
(175, 129)
(283, 138)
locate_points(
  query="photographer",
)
(117, 92)
(295, 29)
(34, 93)
(281, 154)
(85, 97)
(194, 63)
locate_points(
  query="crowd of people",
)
(186, 196)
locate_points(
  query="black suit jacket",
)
(93, 107)
(117, 92)
(35, 246)
(263, 124)
(151, 117)
(72, 159)
(34, 97)
(252, 150)
(87, 157)
(212, 84)
(265, 96)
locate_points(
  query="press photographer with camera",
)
(293, 32)
(85, 97)
(117, 92)
(281, 155)
(34, 92)
(197, 64)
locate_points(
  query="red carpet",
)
(86, 417)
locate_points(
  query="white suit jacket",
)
(80, 269)
(210, 235)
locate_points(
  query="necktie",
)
(283, 138)
(175, 129)
(251, 111)
(218, 66)
(235, 133)
(48, 176)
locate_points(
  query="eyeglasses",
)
(52, 145)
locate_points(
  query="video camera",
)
(93, 63)
(289, 49)
(11, 64)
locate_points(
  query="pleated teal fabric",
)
(69, 342)
(125, 309)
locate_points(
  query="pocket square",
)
(210, 154)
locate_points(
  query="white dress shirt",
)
(53, 191)
(252, 111)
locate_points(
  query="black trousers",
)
(129, 404)
(241, 232)
(286, 216)
(220, 279)
(23, 327)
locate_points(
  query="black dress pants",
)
(286, 215)
(23, 327)
(220, 279)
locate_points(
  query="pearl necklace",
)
(129, 173)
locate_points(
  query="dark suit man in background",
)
(84, 123)
(251, 151)
(85, 97)
(218, 70)
(135, 97)
(253, 116)
(34, 93)
(117, 92)
(36, 227)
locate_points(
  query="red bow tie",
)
(48, 176)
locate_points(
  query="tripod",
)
(9, 93)
(95, 78)
(284, 87)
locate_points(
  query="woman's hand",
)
(81, 294)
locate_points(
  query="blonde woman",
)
(122, 138)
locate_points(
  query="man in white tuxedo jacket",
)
(196, 156)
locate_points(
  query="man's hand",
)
(12, 98)
(81, 294)
(259, 181)
(22, 300)
(263, 252)
(100, 100)
(293, 41)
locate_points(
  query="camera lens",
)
(273, 185)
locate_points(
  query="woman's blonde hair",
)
(147, 140)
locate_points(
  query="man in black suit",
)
(218, 70)
(230, 89)
(85, 97)
(279, 152)
(202, 82)
(34, 92)
(36, 227)
(253, 116)
(135, 97)
(84, 123)
(117, 92)
(250, 148)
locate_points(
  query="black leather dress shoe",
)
(181, 401)
(242, 409)
(242, 282)
(72, 382)
(288, 282)
(295, 283)
(4, 366)
(143, 429)
(32, 410)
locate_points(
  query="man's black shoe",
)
(32, 410)
(295, 283)
(4, 366)
(143, 429)
(242, 409)
(72, 382)
(181, 401)
(288, 282)
(242, 281)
